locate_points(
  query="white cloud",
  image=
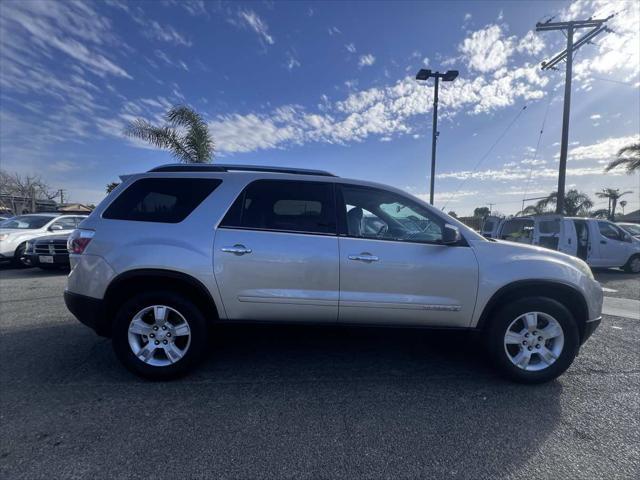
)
(597, 153)
(603, 150)
(292, 61)
(74, 29)
(616, 51)
(180, 64)
(531, 43)
(351, 48)
(366, 60)
(333, 31)
(489, 49)
(251, 19)
(595, 116)
(165, 33)
(533, 162)
(486, 49)
(467, 17)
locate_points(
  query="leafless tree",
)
(16, 190)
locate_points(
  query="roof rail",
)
(218, 167)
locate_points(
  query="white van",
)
(490, 226)
(600, 243)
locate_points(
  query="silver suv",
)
(175, 250)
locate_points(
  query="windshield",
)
(26, 222)
(632, 229)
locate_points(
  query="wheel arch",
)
(132, 282)
(567, 295)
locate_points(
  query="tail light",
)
(79, 240)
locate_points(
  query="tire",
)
(560, 351)
(18, 254)
(632, 265)
(159, 366)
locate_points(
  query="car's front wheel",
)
(533, 340)
(159, 335)
(633, 265)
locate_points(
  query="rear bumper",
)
(590, 327)
(89, 311)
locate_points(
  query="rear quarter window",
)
(164, 200)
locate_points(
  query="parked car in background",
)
(632, 229)
(600, 243)
(172, 251)
(48, 252)
(17, 231)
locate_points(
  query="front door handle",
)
(364, 257)
(603, 242)
(237, 249)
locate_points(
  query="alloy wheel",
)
(159, 335)
(534, 341)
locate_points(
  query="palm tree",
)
(576, 203)
(628, 156)
(532, 210)
(612, 194)
(186, 134)
(111, 186)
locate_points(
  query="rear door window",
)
(164, 200)
(284, 205)
(518, 230)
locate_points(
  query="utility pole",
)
(61, 193)
(448, 76)
(598, 26)
(490, 207)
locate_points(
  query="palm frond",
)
(633, 149)
(161, 137)
(629, 156)
(197, 139)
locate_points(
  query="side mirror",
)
(450, 235)
(54, 228)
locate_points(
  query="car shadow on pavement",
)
(290, 401)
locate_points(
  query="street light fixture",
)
(449, 76)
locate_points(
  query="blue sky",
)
(321, 85)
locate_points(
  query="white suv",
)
(17, 231)
(172, 251)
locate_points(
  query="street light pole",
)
(434, 139)
(448, 76)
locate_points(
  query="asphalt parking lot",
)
(308, 403)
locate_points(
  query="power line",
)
(535, 155)
(483, 158)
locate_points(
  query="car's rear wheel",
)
(160, 335)
(533, 340)
(633, 265)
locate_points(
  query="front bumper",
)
(590, 327)
(89, 311)
(58, 260)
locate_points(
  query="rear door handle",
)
(364, 257)
(236, 249)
